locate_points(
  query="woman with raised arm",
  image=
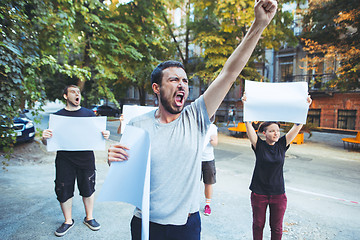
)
(267, 184)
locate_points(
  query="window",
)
(131, 92)
(346, 119)
(191, 90)
(286, 69)
(314, 117)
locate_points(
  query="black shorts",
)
(208, 171)
(66, 173)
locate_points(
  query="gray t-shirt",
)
(176, 149)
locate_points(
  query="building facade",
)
(335, 110)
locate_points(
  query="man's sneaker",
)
(92, 224)
(207, 210)
(64, 228)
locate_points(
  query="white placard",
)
(129, 181)
(285, 102)
(131, 111)
(76, 133)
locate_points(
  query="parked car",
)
(23, 127)
(104, 110)
(92, 106)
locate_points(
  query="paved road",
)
(322, 188)
(322, 181)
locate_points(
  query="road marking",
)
(321, 195)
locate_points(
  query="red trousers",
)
(277, 206)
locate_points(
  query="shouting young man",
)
(71, 165)
(177, 135)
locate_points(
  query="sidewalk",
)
(29, 209)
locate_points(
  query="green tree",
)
(182, 35)
(90, 40)
(145, 19)
(53, 22)
(18, 65)
(47, 44)
(331, 34)
(116, 44)
(220, 25)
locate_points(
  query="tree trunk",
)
(87, 61)
(142, 95)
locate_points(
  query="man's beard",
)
(166, 104)
(71, 104)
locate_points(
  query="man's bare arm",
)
(264, 12)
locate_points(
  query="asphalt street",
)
(322, 182)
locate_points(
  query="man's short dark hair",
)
(157, 74)
(67, 87)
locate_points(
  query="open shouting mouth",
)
(179, 98)
(77, 100)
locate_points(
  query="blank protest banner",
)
(76, 133)
(131, 111)
(285, 102)
(129, 181)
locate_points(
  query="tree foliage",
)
(19, 61)
(92, 42)
(104, 47)
(145, 19)
(219, 26)
(331, 34)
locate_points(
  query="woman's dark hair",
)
(263, 126)
(157, 74)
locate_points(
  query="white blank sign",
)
(285, 102)
(76, 133)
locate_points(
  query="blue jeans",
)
(277, 205)
(190, 231)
